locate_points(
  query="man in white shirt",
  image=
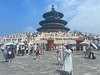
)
(35, 47)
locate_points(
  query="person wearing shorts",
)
(38, 52)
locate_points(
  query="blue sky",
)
(17, 16)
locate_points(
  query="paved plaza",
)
(47, 65)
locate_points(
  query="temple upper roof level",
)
(52, 14)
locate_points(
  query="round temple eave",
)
(53, 21)
(46, 28)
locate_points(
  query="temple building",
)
(50, 28)
(53, 22)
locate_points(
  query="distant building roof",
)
(79, 39)
(50, 39)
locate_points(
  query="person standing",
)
(27, 49)
(91, 52)
(67, 66)
(61, 50)
(45, 47)
(38, 52)
(59, 57)
(10, 53)
(84, 49)
(87, 51)
(31, 49)
(41, 49)
(17, 49)
(78, 48)
(23, 48)
(35, 48)
(81, 48)
(5, 54)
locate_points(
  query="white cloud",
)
(28, 29)
(82, 15)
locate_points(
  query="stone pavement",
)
(47, 65)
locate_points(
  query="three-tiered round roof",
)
(53, 22)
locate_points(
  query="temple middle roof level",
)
(53, 21)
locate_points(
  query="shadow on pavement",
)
(3, 62)
(57, 64)
(63, 72)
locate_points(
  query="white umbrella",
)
(94, 45)
(2, 47)
(83, 43)
(30, 43)
(21, 43)
(15, 43)
(8, 44)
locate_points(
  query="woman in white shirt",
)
(67, 66)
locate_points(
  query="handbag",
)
(9, 52)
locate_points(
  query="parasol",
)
(94, 45)
(98, 44)
(70, 42)
(8, 44)
(21, 43)
(83, 43)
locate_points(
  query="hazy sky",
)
(17, 16)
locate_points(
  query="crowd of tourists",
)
(86, 36)
(9, 52)
(63, 53)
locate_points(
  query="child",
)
(58, 57)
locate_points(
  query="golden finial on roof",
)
(52, 5)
